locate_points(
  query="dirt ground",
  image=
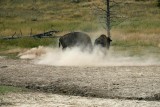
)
(120, 85)
(53, 100)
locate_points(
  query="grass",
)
(11, 48)
(42, 16)
(29, 42)
(7, 89)
(141, 29)
(26, 43)
(142, 26)
(64, 16)
(136, 44)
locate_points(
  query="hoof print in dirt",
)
(35, 87)
(157, 96)
(4, 66)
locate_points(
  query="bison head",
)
(103, 41)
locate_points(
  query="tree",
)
(108, 14)
(108, 18)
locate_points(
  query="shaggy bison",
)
(103, 41)
(73, 39)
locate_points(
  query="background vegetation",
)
(8, 89)
(141, 30)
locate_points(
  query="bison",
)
(73, 39)
(103, 41)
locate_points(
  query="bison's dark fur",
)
(75, 39)
(103, 41)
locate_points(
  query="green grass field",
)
(7, 89)
(140, 29)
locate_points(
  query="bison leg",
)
(59, 44)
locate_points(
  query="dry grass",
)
(141, 29)
(42, 15)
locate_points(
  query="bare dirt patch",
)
(123, 82)
(37, 99)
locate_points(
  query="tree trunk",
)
(108, 18)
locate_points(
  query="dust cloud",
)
(76, 57)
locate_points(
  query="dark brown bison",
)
(73, 39)
(103, 41)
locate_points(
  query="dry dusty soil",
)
(110, 86)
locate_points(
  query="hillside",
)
(140, 28)
(64, 15)
(43, 15)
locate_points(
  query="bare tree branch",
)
(110, 15)
(99, 8)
